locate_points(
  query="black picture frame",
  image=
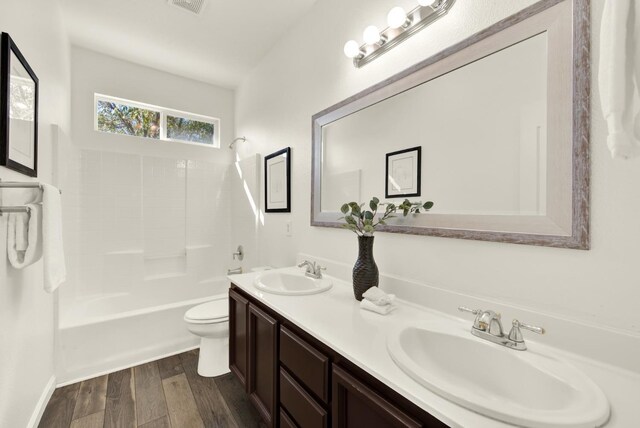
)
(415, 154)
(278, 201)
(7, 47)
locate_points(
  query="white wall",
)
(26, 311)
(302, 76)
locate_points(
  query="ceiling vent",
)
(193, 6)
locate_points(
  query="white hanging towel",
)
(24, 243)
(55, 270)
(619, 75)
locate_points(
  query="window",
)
(118, 116)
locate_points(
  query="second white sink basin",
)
(519, 387)
(291, 283)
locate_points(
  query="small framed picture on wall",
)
(277, 181)
(403, 173)
(18, 110)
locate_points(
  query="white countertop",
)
(335, 319)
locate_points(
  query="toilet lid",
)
(209, 311)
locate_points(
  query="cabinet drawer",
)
(306, 363)
(356, 405)
(300, 405)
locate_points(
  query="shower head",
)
(243, 139)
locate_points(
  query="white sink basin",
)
(293, 283)
(524, 388)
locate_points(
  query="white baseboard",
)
(38, 411)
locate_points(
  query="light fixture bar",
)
(418, 18)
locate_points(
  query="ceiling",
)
(219, 46)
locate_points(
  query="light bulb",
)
(352, 49)
(425, 2)
(397, 17)
(371, 35)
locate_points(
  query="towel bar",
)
(21, 185)
(8, 210)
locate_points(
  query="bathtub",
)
(109, 332)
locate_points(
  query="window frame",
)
(164, 112)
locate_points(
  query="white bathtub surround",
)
(620, 76)
(362, 338)
(210, 322)
(108, 332)
(24, 243)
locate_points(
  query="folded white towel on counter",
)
(370, 306)
(24, 251)
(55, 270)
(378, 297)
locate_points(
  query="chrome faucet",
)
(314, 270)
(488, 326)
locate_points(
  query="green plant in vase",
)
(363, 222)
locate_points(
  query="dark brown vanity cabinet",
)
(263, 364)
(295, 381)
(238, 336)
(253, 354)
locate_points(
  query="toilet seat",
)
(212, 312)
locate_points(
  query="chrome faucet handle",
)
(471, 311)
(477, 312)
(516, 335)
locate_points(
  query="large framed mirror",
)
(502, 120)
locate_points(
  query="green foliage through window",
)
(128, 120)
(125, 117)
(180, 128)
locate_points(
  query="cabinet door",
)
(238, 336)
(263, 363)
(355, 405)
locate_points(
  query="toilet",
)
(210, 321)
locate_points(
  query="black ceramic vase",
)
(365, 271)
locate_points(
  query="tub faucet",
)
(314, 270)
(235, 271)
(488, 326)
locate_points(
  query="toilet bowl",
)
(210, 321)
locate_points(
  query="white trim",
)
(128, 366)
(163, 119)
(38, 411)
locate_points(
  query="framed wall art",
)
(402, 173)
(18, 110)
(277, 179)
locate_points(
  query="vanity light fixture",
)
(401, 26)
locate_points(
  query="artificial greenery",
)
(364, 222)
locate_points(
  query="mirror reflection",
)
(482, 130)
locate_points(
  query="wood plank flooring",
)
(167, 393)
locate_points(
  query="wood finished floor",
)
(167, 393)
